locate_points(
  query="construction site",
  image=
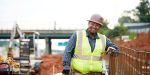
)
(74, 37)
(133, 59)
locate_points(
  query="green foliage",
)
(118, 31)
(149, 31)
(104, 29)
(143, 11)
(132, 35)
(141, 14)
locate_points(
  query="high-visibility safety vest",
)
(83, 59)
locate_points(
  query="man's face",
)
(93, 27)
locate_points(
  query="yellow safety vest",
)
(84, 60)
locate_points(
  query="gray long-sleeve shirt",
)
(69, 50)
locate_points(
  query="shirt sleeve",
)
(110, 44)
(69, 51)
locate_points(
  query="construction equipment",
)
(27, 47)
(5, 69)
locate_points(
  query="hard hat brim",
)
(95, 22)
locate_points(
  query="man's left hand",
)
(112, 51)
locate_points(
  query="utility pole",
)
(54, 25)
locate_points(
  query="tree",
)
(143, 11)
(141, 14)
(118, 31)
(126, 19)
(104, 29)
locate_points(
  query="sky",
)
(62, 14)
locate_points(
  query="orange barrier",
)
(130, 62)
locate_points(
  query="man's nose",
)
(94, 26)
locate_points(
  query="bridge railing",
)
(130, 62)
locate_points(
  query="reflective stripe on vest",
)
(103, 41)
(87, 57)
(80, 40)
(83, 59)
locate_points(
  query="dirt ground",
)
(141, 42)
(51, 65)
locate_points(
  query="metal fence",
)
(130, 62)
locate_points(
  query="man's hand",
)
(65, 72)
(112, 51)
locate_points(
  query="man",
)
(83, 54)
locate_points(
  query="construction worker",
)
(83, 54)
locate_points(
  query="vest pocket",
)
(96, 66)
(80, 65)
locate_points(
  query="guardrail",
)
(130, 62)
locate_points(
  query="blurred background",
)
(48, 24)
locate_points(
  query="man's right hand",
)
(65, 72)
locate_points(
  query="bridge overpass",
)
(44, 34)
(52, 34)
